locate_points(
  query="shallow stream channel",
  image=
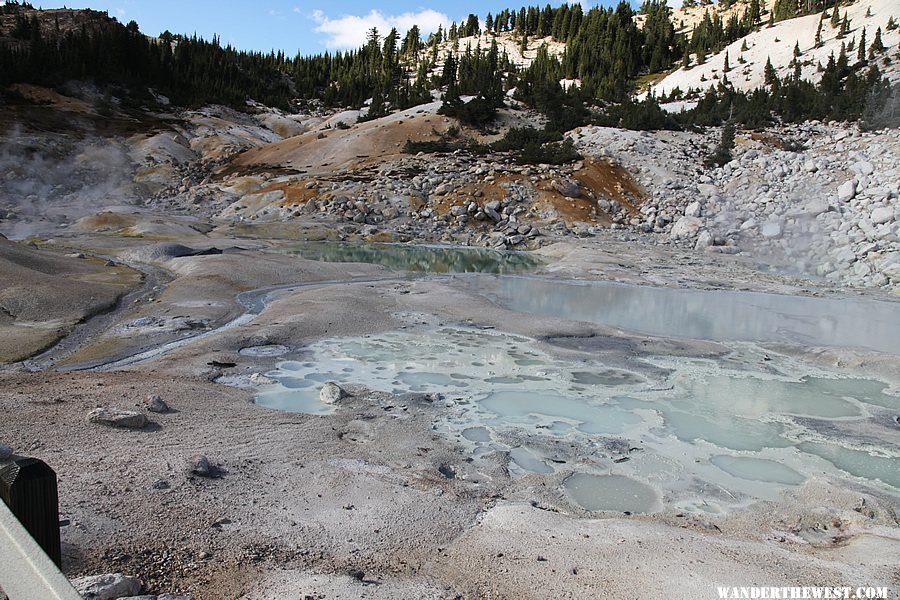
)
(644, 431)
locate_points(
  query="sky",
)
(307, 27)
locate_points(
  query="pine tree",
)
(818, 43)
(845, 26)
(722, 152)
(770, 76)
(835, 16)
(861, 53)
(726, 66)
(797, 49)
(754, 12)
(877, 46)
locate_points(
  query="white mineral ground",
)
(358, 502)
(352, 504)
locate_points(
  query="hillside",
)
(507, 42)
(777, 44)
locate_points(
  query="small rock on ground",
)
(117, 417)
(200, 465)
(331, 393)
(156, 404)
(107, 587)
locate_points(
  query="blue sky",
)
(307, 27)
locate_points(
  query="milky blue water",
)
(683, 433)
(738, 435)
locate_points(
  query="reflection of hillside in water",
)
(708, 315)
(426, 259)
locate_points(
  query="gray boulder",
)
(770, 229)
(156, 404)
(692, 209)
(199, 465)
(863, 167)
(707, 189)
(568, 188)
(686, 227)
(331, 393)
(847, 191)
(5, 452)
(117, 417)
(882, 214)
(110, 586)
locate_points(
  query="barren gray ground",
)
(358, 503)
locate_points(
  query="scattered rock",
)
(260, 379)
(692, 209)
(199, 465)
(5, 451)
(817, 206)
(707, 189)
(704, 240)
(686, 227)
(155, 404)
(847, 191)
(117, 417)
(863, 168)
(770, 229)
(567, 188)
(107, 587)
(882, 215)
(160, 597)
(331, 393)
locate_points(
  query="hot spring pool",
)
(706, 436)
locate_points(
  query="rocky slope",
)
(817, 198)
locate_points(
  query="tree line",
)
(606, 50)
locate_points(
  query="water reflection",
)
(425, 259)
(706, 315)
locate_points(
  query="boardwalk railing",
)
(26, 571)
(29, 532)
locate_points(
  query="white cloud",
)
(349, 31)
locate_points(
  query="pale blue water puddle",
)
(704, 437)
(703, 314)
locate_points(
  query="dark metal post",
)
(28, 487)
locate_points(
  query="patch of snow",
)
(777, 44)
